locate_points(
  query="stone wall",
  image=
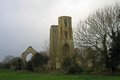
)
(61, 41)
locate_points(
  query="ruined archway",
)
(29, 50)
(29, 57)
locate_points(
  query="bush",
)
(28, 66)
(38, 63)
(16, 64)
(69, 66)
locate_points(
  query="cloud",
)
(26, 23)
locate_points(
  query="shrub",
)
(69, 66)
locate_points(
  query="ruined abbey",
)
(61, 41)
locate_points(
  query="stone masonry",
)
(61, 42)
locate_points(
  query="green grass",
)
(12, 75)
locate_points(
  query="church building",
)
(61, 42)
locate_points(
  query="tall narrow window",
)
(66, 49)
(66, 35)
(65, 22)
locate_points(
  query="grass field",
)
(12, 75)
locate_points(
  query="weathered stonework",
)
(26, 52)
(61, 42)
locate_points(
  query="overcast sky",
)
(25, 23)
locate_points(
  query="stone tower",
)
(61, 42)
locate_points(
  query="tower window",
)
(66, 48)
(66, 35)
(65, 22)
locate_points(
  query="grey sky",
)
(27, 22)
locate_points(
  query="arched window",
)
(29, 57)
(65, 34)
(66, 48)
(65, 22)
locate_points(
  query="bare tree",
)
(46, 47)
(98, 31)
(8, 59)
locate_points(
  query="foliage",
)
(16, 64)
(114, 52)
(28, 66)
(38, 63)
(7, 61)
(11, 62)
(89, 58)
(100, 31)
(69, 66)
(2, 65)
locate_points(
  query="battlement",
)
(54, 26)
(64, 17)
